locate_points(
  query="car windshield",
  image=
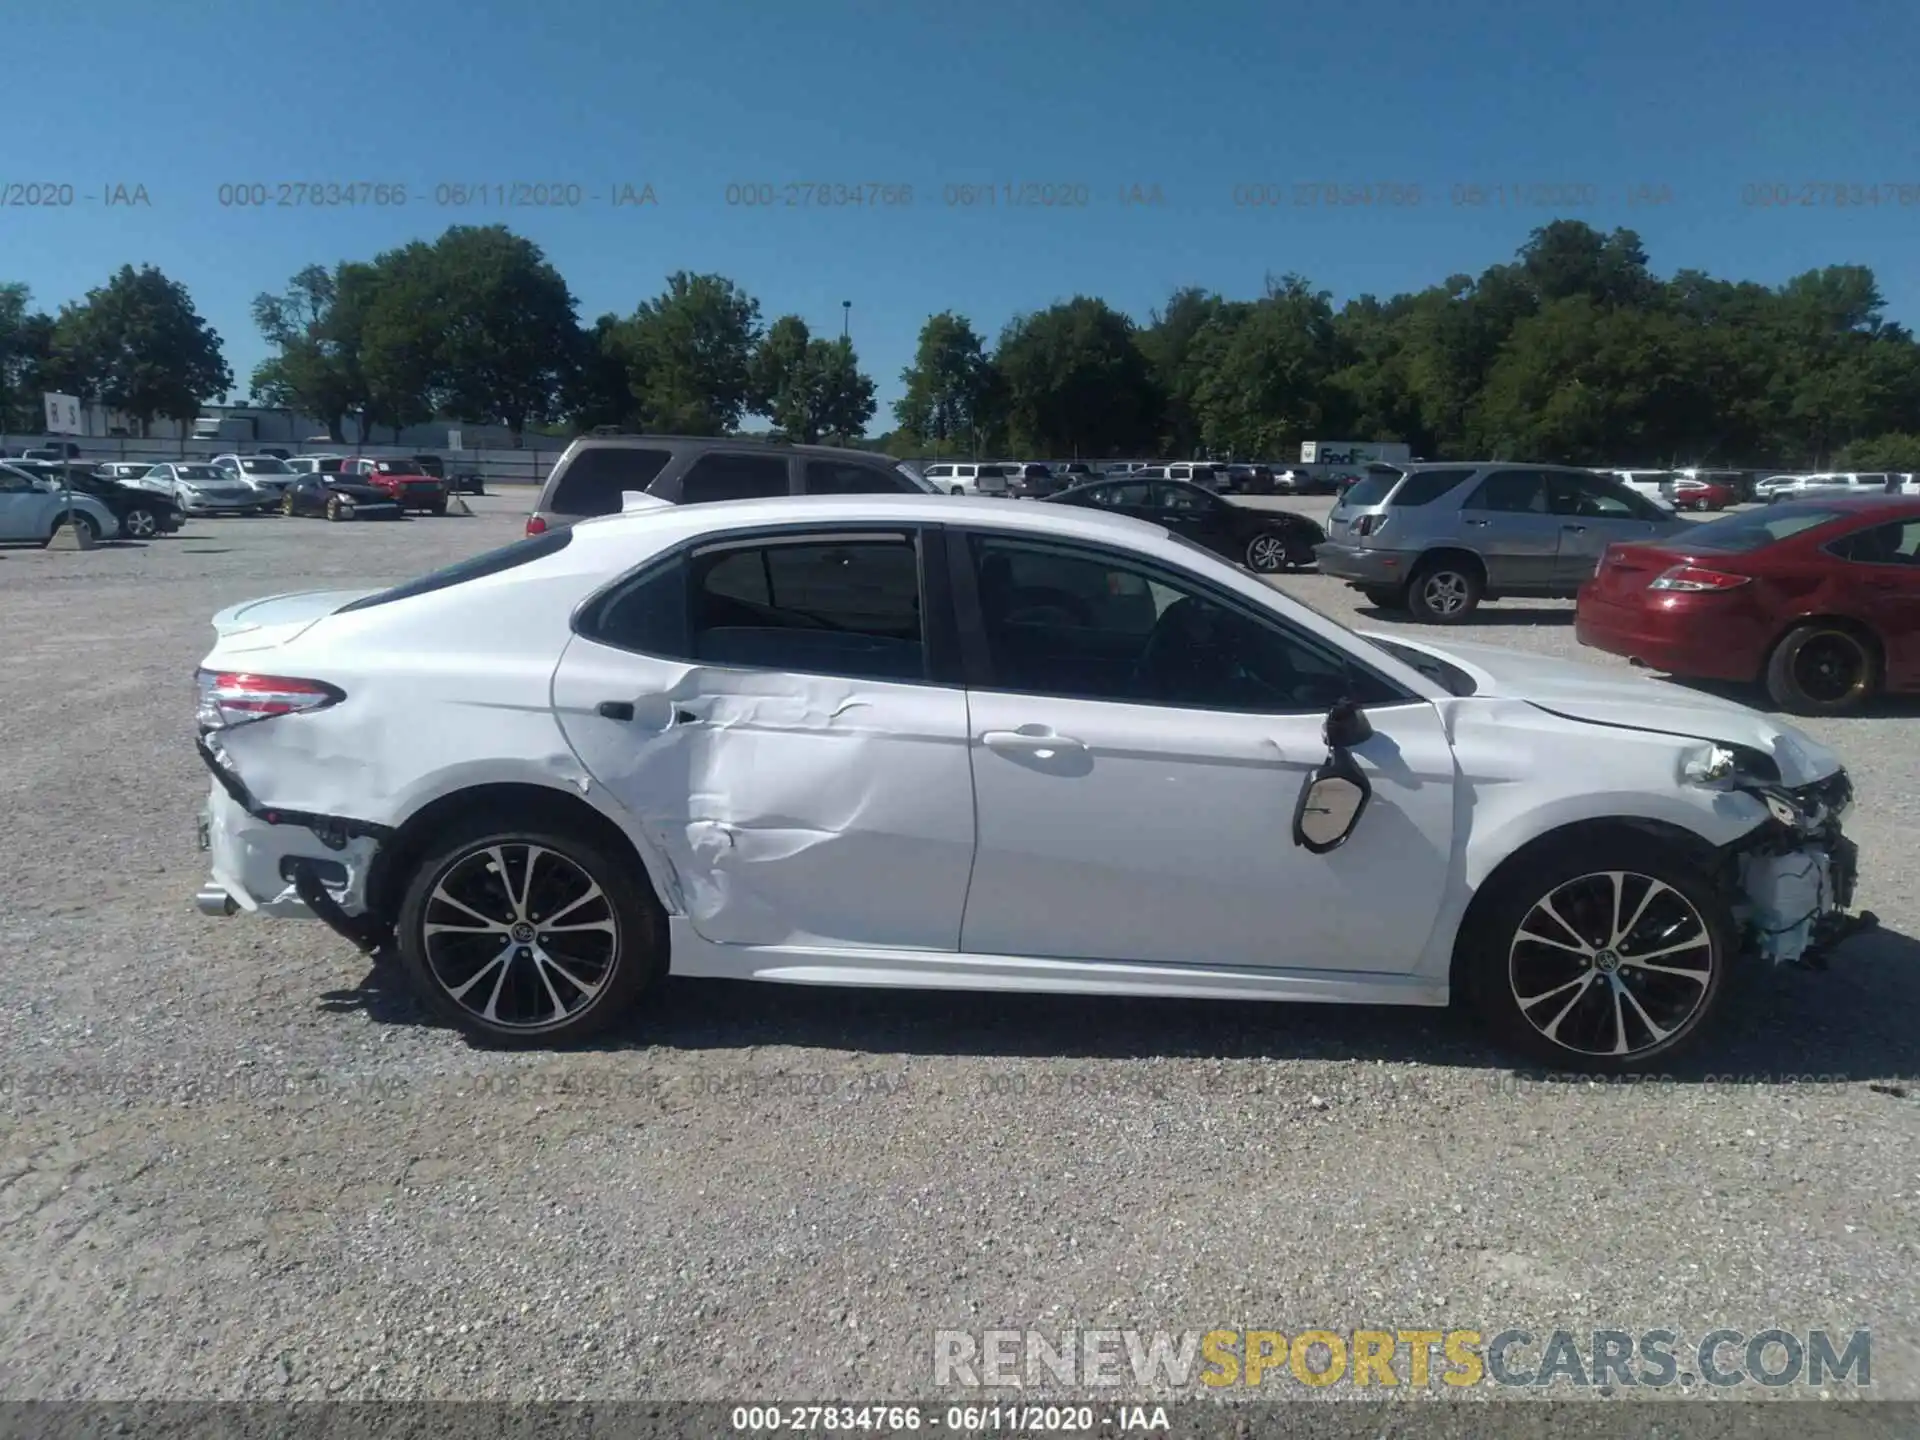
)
(399, 467)
(1755, 529)
(258, 465)
(196, 472)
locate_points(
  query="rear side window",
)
(648, 613)
(593, 481)
(493, 562)
(734, 477)
(1425, 486)
(1895, 543)
(839, 477)
(821, 606)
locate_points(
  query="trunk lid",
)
(276, 619)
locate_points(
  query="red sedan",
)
(1702, 494)
(1819, 600)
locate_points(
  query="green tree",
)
(138, 345)
(1191, 325)
(1265, 380)
(602, 383)
(783, 380)
(1076, 383)
(695, 344)
(394, 308)
(507, 329)
(844, 395)
(1896, 450)
(309, 373)
(948, 386)
(26, 357)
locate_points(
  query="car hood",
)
(358, 492)
(1632, 702)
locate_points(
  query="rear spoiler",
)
(632, 500)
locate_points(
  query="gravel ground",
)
(236, 1163)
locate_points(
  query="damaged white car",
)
(868, 740)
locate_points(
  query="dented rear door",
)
(806, 781)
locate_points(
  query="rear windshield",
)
(507, 557)
(1370, 489)
(1754, 529)
(594, 479)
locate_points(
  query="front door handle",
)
(1577, 529)
(1481, 523)
(615, 709)
(1035, 740)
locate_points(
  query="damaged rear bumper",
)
(285, 863)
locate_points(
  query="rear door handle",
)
(1031, 740)
(615, 709)
(1481, 523)
(1577, 529)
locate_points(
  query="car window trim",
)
(939, 636)
(1826, 546)
(964, 585)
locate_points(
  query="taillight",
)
(230, 697)
(1370, 524)
(535, 525)
(1696, 578)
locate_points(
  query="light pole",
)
(846, 315)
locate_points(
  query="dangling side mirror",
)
(1334, 796)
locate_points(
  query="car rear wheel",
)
(140, 523)
(1605, 953)
(529, 936)
(1445, 591)
(1822, 670)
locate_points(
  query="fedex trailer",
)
(1354, 452)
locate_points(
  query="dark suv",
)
(597, 470)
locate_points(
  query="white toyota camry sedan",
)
(872, 740)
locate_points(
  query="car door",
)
(1594, 513)
(791, 734)
(23, 506)
(1192, 513)
(1139, 742)
(1505, 521)
(1882, 566)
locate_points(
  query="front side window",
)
(1511, 492)
(1087, 625)
(1592, 497)
(839, 477)
(1184, 498)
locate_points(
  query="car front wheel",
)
(1267, 552)
(529, 936)
(140, 523)
(1604, 954)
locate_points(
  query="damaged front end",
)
(1792, 878)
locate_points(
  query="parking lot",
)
(237, 1163)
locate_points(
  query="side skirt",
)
(947, 970)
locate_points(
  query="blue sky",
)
(1207, 102)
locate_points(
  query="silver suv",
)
(595, 471)
(1437, 539)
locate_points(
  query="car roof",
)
(719, 442)
(687, 521)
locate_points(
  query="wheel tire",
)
(1445, 592)
(140, 523)
(1267, 552)
(1846, 663)
(333, 507)
(638, 954)
(1384, 599)
(80, 521)
(1495, 967)
(286, 503)
(441, 508)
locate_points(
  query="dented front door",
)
(795, 809)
